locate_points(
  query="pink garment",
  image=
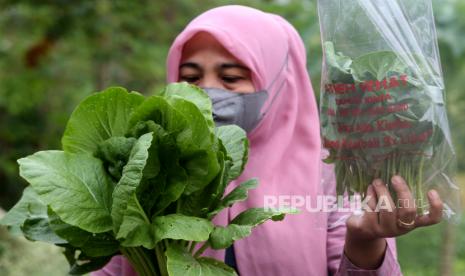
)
(285, 152)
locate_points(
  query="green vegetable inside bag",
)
(382, 99)
(380, 117)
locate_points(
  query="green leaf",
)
(202, 202)
(30, 216)
(195, 95)
(240, 193)
(217, 188)
(158, 110)
(196, 135)
(224, 237)
(180, 227)
(181, 262)
(81, 264)
(256, 216)
(338, 65)
(136, 229)
(132, 175)
(187, 127)
(114, 153)
(153, 166)
(74, 185)
(98, 118)
(38, 229)
(241, 226)
(235, 141)
(195, 143)
(93, 245)
(377, 66)
(201, 168)
(173, 179)
(29, 205)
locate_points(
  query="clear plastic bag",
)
(382, 98)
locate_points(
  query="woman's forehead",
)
(203, 47)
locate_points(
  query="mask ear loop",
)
(280, 88)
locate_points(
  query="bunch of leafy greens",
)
(378, 115)
(143, 177)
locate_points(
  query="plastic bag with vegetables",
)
(382, 98)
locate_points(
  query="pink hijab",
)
(285, 146)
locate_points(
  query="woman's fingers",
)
(371, 203)
(406, 210)
(365, 226)
(386, 208)
(435, 210)
(381, 217)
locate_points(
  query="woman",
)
(253, 66)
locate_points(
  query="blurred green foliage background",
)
(53, 53)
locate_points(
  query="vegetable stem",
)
(147, 220)
(140, 260)
(201, 249)
(192, 247)
(419, 188)
(160, 253)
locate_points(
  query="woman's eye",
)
(190, 78)
(231, 79)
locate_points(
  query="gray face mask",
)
(242, 109)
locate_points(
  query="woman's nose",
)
(211, 82)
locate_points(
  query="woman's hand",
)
(365, 238)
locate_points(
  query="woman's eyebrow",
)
(190, 65)
(233, 65)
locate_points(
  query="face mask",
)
(242, 109)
